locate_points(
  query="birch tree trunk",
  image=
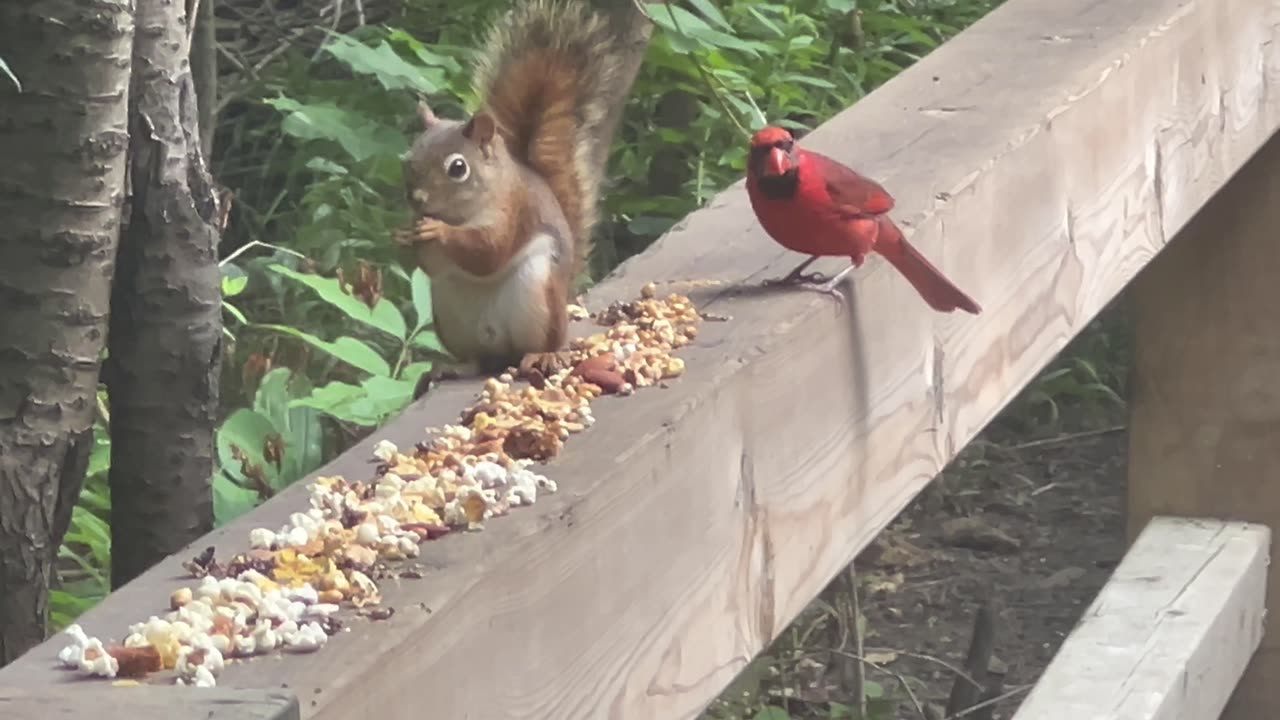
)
(63, 141)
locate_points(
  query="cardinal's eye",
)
(456, 167)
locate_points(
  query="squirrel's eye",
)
(455, 166)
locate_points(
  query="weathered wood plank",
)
(1170, 633)
(1205, 431)
(98, 700)
(1042, 157)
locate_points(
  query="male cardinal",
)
(812, 204)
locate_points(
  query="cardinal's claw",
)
(812, 278)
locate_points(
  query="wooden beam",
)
(1170, 633)
(102, 700)
(1205, 435)
(1040, 159)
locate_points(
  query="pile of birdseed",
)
(286, 592)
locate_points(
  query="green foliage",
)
(279, 440)
(84, 559)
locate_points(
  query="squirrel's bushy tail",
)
(546, 76)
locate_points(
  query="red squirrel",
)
(505, 201)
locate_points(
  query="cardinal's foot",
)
(812, 278)
(830, 288)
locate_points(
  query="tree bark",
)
(204, 69)
(166, 332)
(634, 29)
(63, 142)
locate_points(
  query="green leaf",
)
(230, 501)
(381, 62)
(425, 54)
(384, 315)
(687, 25)
(772, 712)
(235, 313)
(361, 137)
(387, 395)
(329, 167)
(248, 431)
(4, 68)
(712, 13)
(341, 401)
(298, 426)
(234, 280)
(347, 349)
(428, 340)
(414, 371)
(421, 289)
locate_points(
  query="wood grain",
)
(1170, 633)
(1042, 157)
(100, 700)
(1205, 406)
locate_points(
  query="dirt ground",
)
(1032, 520)
(1039, 529)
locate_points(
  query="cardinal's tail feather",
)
(941, 294)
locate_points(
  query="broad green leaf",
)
(247, 430)
(381, 62)
(230, 501)
(272, 396)
(686, 24)
(772, 712)
(387, 395)
(361, 137)
(347, 349)
(384, 315)
(413, 371)
(429, 341)
(299, 426)
(712, 13)
(234, 280)
(342, 401)
(420, 286)
(326, 166)
(425, 54)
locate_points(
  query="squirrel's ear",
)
(425, 116)
(480, 130)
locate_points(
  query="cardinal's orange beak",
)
(776, 163)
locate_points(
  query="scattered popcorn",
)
(95, 660)
(287, 591)
(72, 655)
(262, 538)
(307, 638)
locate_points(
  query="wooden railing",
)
(1041, 158)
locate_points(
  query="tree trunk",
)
(63, 142)
(166, 332)
(634, 29)
(204, 69)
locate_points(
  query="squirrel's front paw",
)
(425, 230)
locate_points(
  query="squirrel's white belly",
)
(472, 320)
